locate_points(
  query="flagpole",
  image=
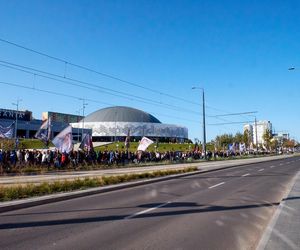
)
(49, 131)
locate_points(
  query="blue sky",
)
(238, 51)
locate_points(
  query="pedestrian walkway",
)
(283, 233)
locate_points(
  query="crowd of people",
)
(54, 159)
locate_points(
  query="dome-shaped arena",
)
(120, 114)
(114, 123)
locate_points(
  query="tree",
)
(247, 137)
(274, 144)
(224, 140)
(238, 137)
(267, 136)
(289, 143)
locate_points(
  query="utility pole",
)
(203, 119)
(16, 125)
(115, 126)
(255, 124)
(83, 108)
(78, 112)
(204, 128)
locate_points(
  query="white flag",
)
(242, 147)
(63, 141)
(144, 144)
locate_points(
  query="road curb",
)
(35, 201)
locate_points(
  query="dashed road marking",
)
(262, 169)
(272, 166)
(245, 175)
(146, 211)
(221, 183)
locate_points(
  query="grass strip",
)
(45, 188)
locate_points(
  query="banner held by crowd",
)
(44, 133)
(63, 141)
(7, 132)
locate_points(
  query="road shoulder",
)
(282, 233)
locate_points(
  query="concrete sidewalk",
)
(283, 232)
(60, 176)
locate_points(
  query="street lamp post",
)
(78, 112)
(83, 108)
(256, 139)
(16, 125)
(203, 120)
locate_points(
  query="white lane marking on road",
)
(219, 184)
(219, 223)
(147, 210)
(288, 207)
(245, 175)
(262, 169)
(280, 164)
(272, 166)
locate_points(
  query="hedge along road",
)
(61, 176)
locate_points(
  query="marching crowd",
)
(56, 159)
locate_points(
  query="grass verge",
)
(30, 190)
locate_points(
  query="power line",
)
(92, 88)
(176, 117)
(95, 89)
(74, 84)
(119, 93)
(73, 97)
(106, 75)
(234, 114)
(219, 124)
(96, 72)
(52, 92)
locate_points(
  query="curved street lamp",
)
(203, 119)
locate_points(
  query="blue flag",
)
(44, 132)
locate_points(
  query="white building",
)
(258, 130)
(114, 123)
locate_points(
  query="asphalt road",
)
(225, 209)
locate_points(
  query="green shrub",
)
(56, 187)
(90, 182)
(44, 188)
(105, 180)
